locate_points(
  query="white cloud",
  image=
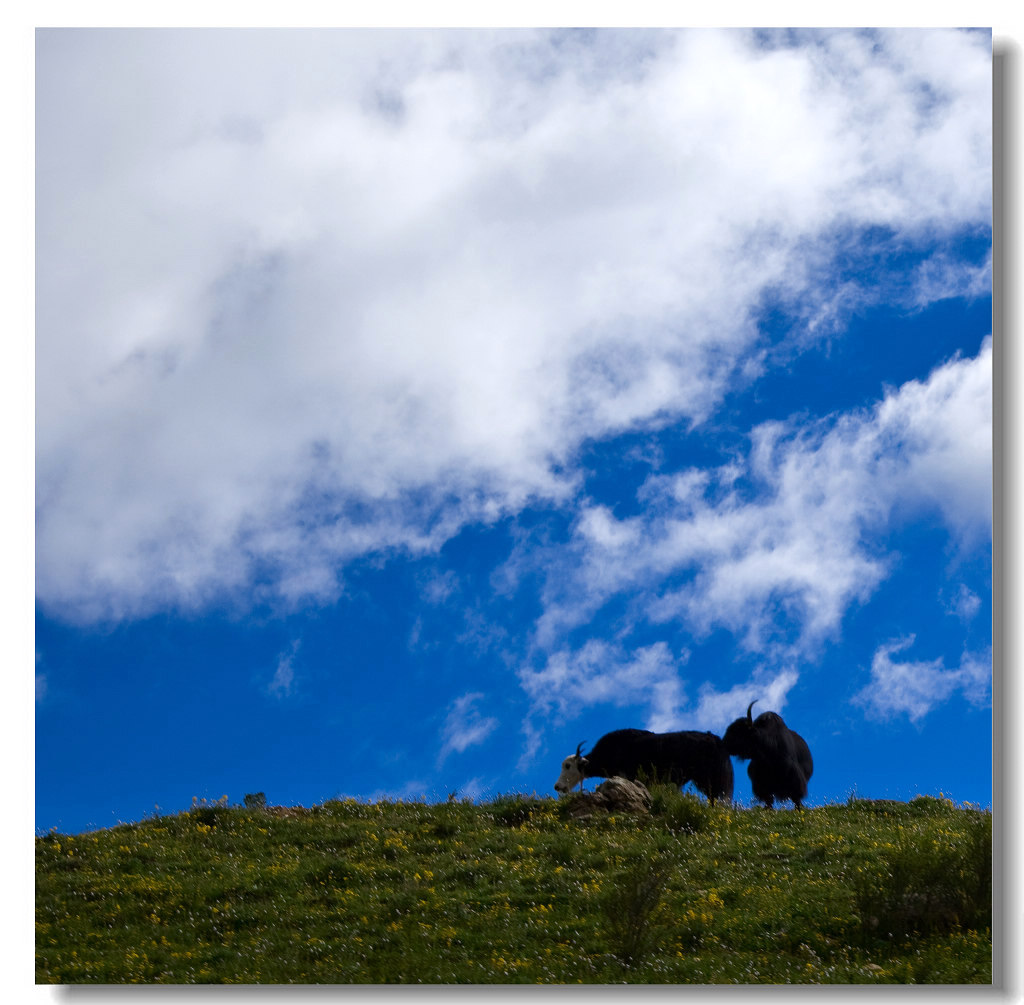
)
(914, 687)
(474, 789)
(283, 683)
(308, 295)
(601, 673)
(937, 435)
(719, 708)
(414, 790)
(965, 604)
(438, 588)
(776, 546)
(941, 277)
(465, 726)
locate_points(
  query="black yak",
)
(677, 758)
(780, 760)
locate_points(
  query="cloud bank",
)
(309, 296)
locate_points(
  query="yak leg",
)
(760, 784)
(707, 789)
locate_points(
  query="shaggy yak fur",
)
(676, 758)
(780, 760)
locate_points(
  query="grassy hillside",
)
(516, 891)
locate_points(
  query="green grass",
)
(515, 891)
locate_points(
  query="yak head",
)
(573, 771)
(741, 737)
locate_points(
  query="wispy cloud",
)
(464, 726)
(282, 685)
(602, 673)
(719, 708)
(473, 788)
(965, 604)
(774, 547)
(42, 681)
(942, 277)
(914, 687)
(321, 295)
(778, 544)
(415, 789)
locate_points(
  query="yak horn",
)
(750, 718)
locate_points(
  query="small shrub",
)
(661, 797)
(930, 886)
(681, 812)
(878, 807)
(209, 813)
(931, 804)
(631, 908)
(516, 810)
(563, 849)
(450, 817)
(445, 826)
(255, 801)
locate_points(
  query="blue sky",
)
(411, 406)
